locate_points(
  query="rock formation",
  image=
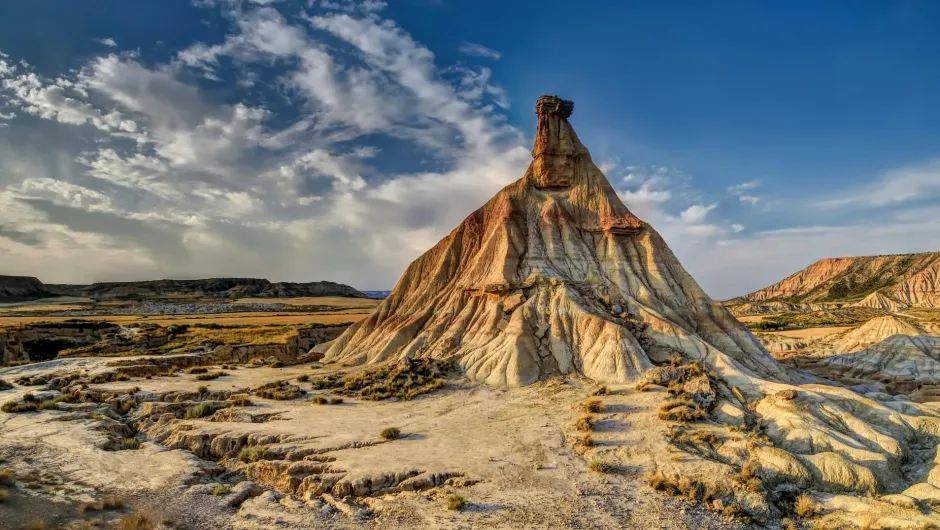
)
(552, 276)
(555, 276)
(872, 332)
(900, 280)
(17, 288)
(217, 287)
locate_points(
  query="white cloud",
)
(478, 50)
(737, 228)
(895, 187)
(744, 186)
(109, 42)
(207, 188)
(750, 199)
(696, 213)
(60, 101)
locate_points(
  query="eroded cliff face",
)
(888, 282)
(16, 288)
(554, 275)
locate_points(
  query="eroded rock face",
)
(886, 282)
(554, 275)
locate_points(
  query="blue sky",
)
(307, 140)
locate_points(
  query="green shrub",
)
(390, 433)
(14, 407)
(48, 404)
(4, 385)
(455, 502)
(221, 489)
(200, 410)
(252, 453)
(203, 389)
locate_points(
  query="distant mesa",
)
(18, 288)
(891, 282)
(21, 288)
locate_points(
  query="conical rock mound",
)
(553, 276)
(872, 332)
(880, 301)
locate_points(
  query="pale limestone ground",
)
(513, 441)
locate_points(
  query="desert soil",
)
(517, 443)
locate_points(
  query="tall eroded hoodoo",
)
(552, 276)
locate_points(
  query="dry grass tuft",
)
(601, 391)
(585, 423)
(280, 391)
(660, 482)
(390, 433)
(209, 377)
(7, 477)
(787, 524)
(593, 405)
(320, 400)
(135, 521)
(109, 503)
(4, 494)
(600, 466)
(804, 506)
(405, 380)
(240, 400)
(868, 521)
(643, 386)
(304, 378)
(681, 410)
(587, 441)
